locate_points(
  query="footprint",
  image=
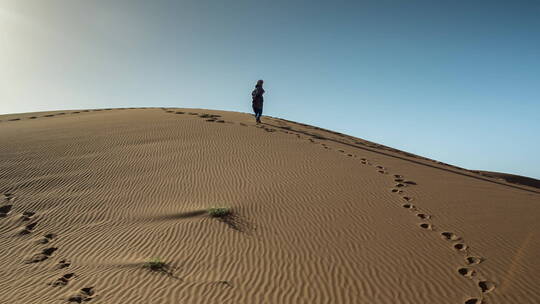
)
(473, 301)
(27, 215)
(63, 264)
(472, 260)
(398, 176)
(460, 247)
(179, 112)
(426, 226)
(224, 283)
(408, 199)
(28, 228)
(380, 167)
(450, 236)
(423, 216)
(63, 280)
(410, 183)
(47, 238)
(39, 257)
(397, 191)
(466, 272)
(84, 295)
(400, 185)
(204, 115)
(32, 117)
(486, 286)
(408, 206)
(8, 196)
(4, 210)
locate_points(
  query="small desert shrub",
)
(155, 264)
(219, 211)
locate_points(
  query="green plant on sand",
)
(219, 211)
(156, 264)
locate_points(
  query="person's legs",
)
(258, 114)
(256, 111)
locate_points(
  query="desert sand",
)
(88, 197)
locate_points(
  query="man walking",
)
(257, 96)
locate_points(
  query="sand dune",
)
(512, 178)
(90, 196)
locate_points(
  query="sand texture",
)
(88, 197)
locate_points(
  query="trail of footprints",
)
(63, 113)
(74, 112)
(457, 243)
(206, 116)
(83, 295)
(216, 118)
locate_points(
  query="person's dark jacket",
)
(257, 96)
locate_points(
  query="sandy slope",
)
(512, 178)
(319, 217)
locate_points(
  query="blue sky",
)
(457, 81)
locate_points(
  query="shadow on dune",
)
(182, 215)
(233, 220)
(167, 270)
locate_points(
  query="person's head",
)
(259, 83)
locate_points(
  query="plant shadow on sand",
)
(157, 265)
(235, 222)
(230, 217)
(183, 215)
